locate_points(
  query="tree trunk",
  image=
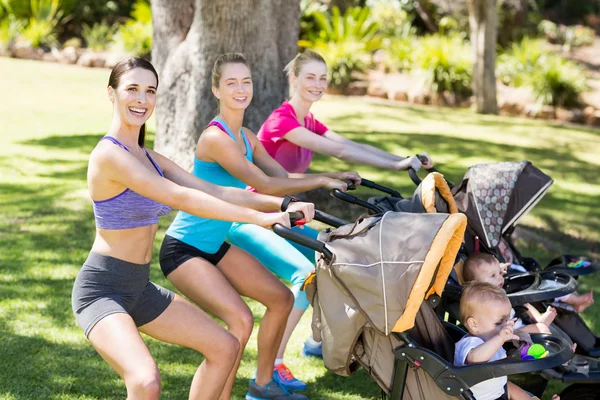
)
(189, 35)
(483, 18)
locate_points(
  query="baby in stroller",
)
(578, 302)
(485, 311)
(483, 267)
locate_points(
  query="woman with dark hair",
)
(131, 186)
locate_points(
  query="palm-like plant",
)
(345, 41)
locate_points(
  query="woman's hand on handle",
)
(267, 220)
(308, 209)
(349, 176)
(426, 160)
(410, 162)
(334, 183)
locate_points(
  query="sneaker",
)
(311, 350)
(283, 376)
(271, 390)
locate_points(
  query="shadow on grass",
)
(83, 143)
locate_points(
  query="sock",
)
(312, 343)
(278, 361)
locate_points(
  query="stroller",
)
(377, 283)
(494, 197)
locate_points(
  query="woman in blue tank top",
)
(230, 155)
(113, 298)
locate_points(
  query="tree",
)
(483, 19)
(189, 35)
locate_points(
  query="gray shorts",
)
(107, 285)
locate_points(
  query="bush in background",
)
(135, 36)
(558, 82)
(567, 36)
(99, 36)
(446, 62)
(346, 42)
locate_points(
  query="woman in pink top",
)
(291, 133)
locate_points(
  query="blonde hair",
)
(476, 295)
(474, 262)
(223, 59)
(295, 66)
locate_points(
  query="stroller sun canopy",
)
(496, 196)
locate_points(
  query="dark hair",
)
(293, 68)
(123, 67)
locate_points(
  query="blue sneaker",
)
(283, 376)
(311, 350)
(271, 391)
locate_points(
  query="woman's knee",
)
(143, 383)
(224, 348)
(240, 325)
(283, 302)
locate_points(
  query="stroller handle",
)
(412, 173)
(348, 198)
(304, 240)
(381, 188)
(329, 219)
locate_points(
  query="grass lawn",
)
(53, 115)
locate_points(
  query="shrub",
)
(558, 82)
(515, 66)
(446, 62)
(135, 36)
(9, 31)
(393, 21)
(399, 53)
(567, 36)
(345, 42)
(99, 36)
(45, 17)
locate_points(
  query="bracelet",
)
(286, 202)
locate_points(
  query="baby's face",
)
(489, 319)
(490, 273)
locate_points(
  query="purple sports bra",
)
(128, 209)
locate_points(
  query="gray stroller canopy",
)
(383, 270)
(495, 196)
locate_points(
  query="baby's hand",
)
(508, 331)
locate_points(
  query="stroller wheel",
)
(580, 391)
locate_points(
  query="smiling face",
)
(235, 87)
(311, 82)
(488, 318)
(135, 96)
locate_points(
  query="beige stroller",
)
(376, 285)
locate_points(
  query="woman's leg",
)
(252, 280)
(117, 340)
(205, 285)
(184, 324)
(282, 259)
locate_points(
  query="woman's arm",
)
(348, 152)
(241, 197)
(272, 168)
(126, 170)
(336, 137)
(226, 153)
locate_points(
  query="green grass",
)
(53, 115)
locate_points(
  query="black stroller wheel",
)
(580, 391)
